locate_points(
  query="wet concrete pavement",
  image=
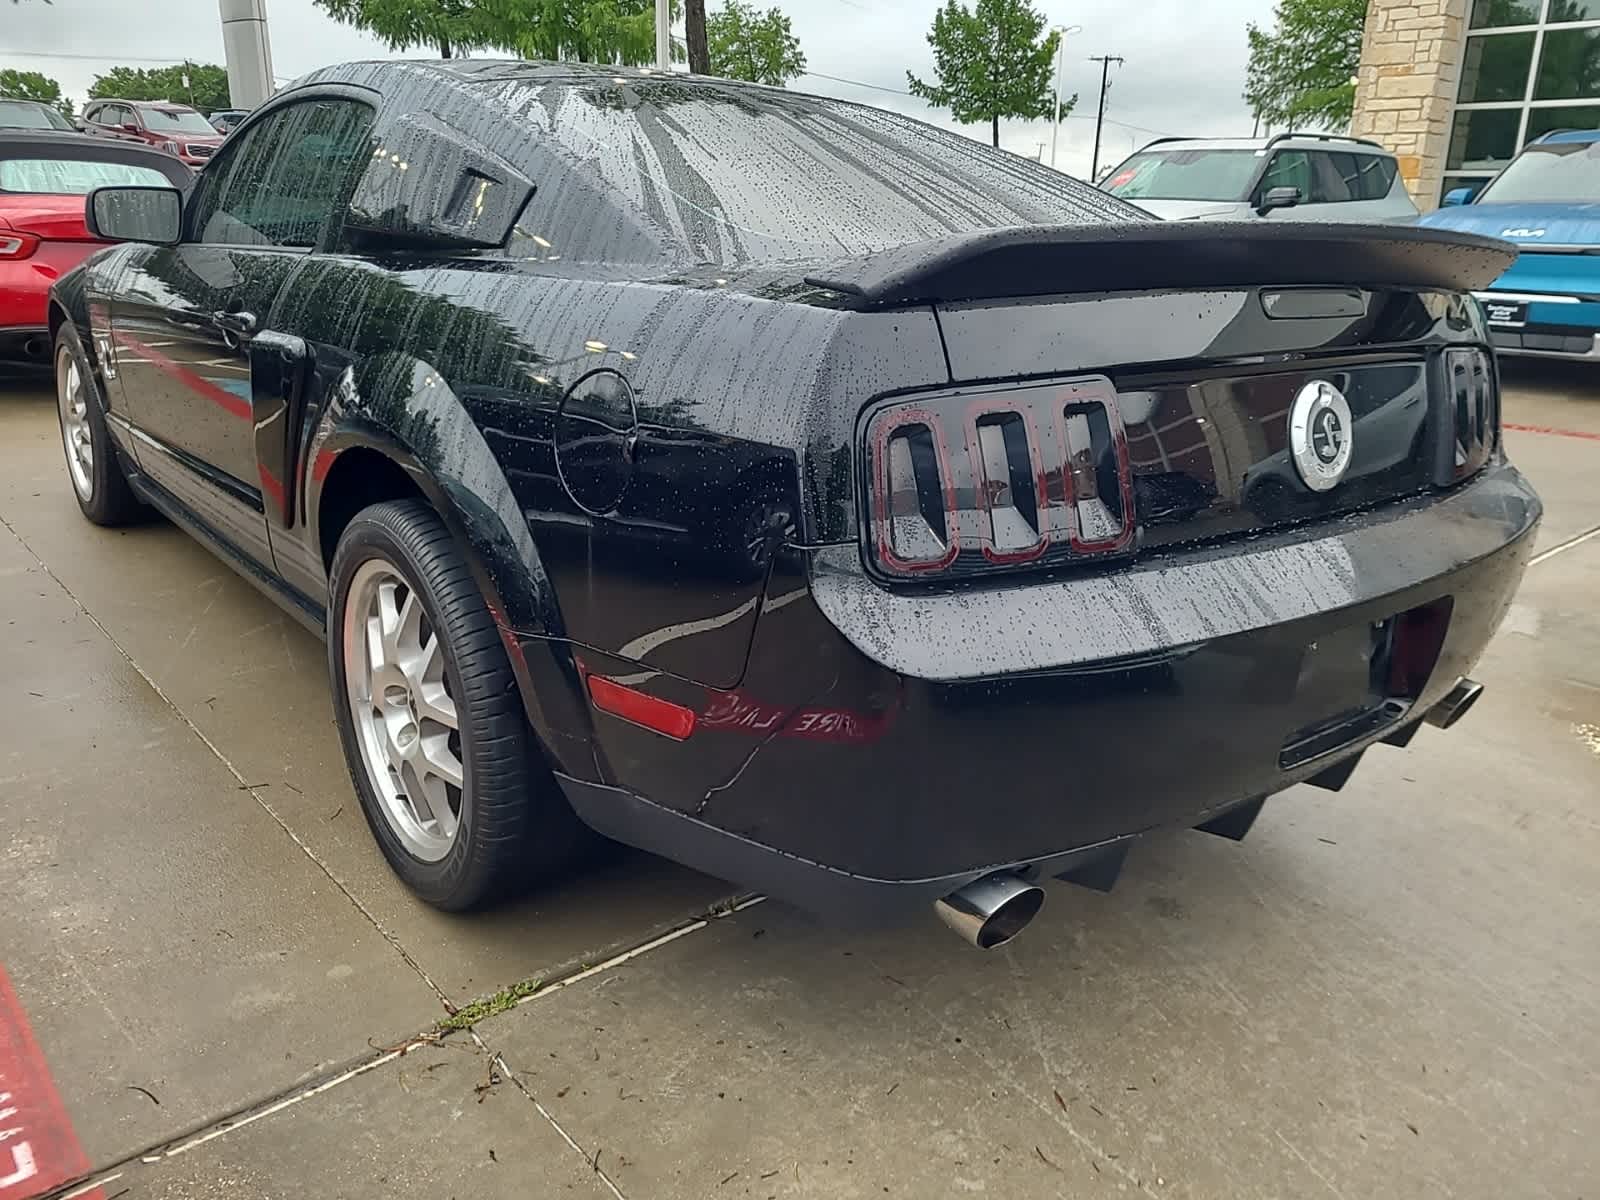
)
(1391, 991)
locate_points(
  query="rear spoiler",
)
(1161, 255)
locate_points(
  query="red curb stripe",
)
(38, 1149)
(1571, 433)
(222, 398)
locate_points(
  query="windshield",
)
(1185, 175)
(1564, 173)
(16, 115)
(729, 176)
(176, 120)
(55, 177)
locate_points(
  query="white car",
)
(1313, 176)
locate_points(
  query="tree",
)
(759, 47)
(207, 88)
(31, 85)
(993, 60)
(453, 26)
(1302, 72)
(694, 37)
(620, 32)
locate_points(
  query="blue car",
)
(1547, 202)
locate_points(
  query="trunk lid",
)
(51, 218)
(1215, 342)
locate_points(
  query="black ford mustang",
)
(790, 488)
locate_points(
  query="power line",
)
(105, 58)
(878, 87)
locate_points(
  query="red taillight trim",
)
(881, 518)
(14, 247)
(1092, 394)
(649, 712)
(997, 404)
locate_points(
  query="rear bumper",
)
(886, 748)
(1547, 341)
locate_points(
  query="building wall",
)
(1406, 85)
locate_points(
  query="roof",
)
(1300, 141)
(1558, 136)
(173, 104)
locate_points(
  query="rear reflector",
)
(658, 716)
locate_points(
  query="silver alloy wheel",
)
(76, 436)
(405, 718)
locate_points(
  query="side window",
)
(1289, 168)
(1375, 176)
(285, 180)
(1333, 178)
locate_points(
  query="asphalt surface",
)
(1391, 991)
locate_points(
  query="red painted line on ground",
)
(1571, 433)
(223, 399)
(38, 1149)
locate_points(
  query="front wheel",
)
(433, 726)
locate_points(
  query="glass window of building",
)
(1528, 67)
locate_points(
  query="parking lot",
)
(1389, 991)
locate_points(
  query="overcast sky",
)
(1184, 69)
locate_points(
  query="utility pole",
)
(1062, 32)
(694, 37)
(663, 35)
(1105, 61)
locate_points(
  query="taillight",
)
(969, 482)
(1473, 402)
(17, 245)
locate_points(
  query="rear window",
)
(58, 177)
(14, 115)
(176, 120)
(1185, 175)
(755, 176)
(1559, 173)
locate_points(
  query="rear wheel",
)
(92, 465)
(433, 726)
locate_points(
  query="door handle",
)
(239, 322)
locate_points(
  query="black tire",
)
(514, 828)
(104, 494)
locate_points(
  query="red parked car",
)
(44, 178)
(175, 128)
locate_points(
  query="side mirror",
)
(1457, 196)
(135, 214)
(1278, 197)
(128, 127)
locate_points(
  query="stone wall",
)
(1406, 86)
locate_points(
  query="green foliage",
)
(207, 90)
(31, 85)
(759, 47)
(1300, 72)
(601, 31)
(620, 32)
(993, 60)
(451, 26)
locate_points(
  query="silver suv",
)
(1318, 176)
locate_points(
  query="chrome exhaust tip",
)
(37, 346)
(1455, 704)
(989, 912)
